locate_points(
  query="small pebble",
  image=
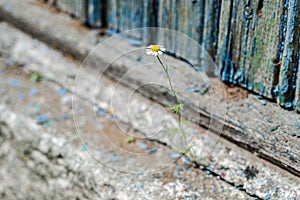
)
(178, 168)
(99, 127)
(66, 100)
(193, 88)
(175, 155)
(42, 119)
(177, 175)
(142, 145)
(268, 196)
(187, 161)
(21, 97)
(66, 116)
(13, 82)
(138, 186)
(274, 128)
(100, 112)
(153, 150)
(113, 157)
(84, 148)
(269, 120)
(62, 92)
(263, 102)
(240, 172)
(204, 91)
(33, 92)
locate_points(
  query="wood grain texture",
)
(128, 15)
(249, 33)
(290, 61)
(186, 18)
(93, 12)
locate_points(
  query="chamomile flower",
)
(155, 50)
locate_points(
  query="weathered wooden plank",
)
(128, 15)
(212, 16)
(151, 19)
(72, 7)
(164, 16)
(290, 61)
(250, 44)
(298, 93)
(94, 12)
(224, 53)
(187, 18)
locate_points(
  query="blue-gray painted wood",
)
(93, 15)
(253, 41)
(290, 61)
(127, 15)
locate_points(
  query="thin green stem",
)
(179, 111)
(171, 86)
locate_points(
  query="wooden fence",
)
(256, 43)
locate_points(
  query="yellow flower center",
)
(155, 48)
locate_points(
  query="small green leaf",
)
(35, 77)
(177, 108)
(129, 140)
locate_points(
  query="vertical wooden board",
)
(173, 25)
(250, 46)
(193, 29)
(129, 15)
(181, 48)
(298, 86)
(164, 18)
(261, 66)
(290, 61)
(122, 6)
(210, 34)
(72, 7)
(193, 50)
(239, 34)
(112, 15)
(183, 17)
(93, 13)
(224, 55)
(138, 18)
(150, 19)
(211, 21)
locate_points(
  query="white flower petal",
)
(158, 51)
